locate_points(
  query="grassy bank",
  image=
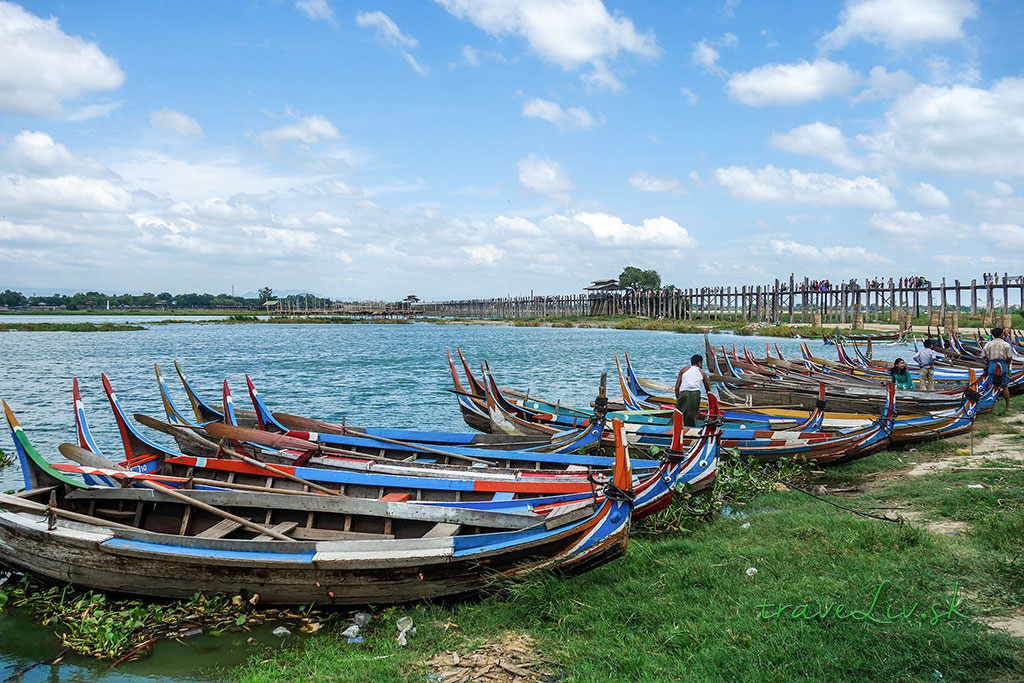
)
(129, 311)
(683, 604)
(309, 320)
(68, 327)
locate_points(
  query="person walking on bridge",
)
(688, 385)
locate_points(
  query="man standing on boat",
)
(998, 353)
(688, 390)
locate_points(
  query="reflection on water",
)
(393, 375)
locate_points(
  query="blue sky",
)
(464, 148)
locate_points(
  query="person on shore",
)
(925, 358)
(688, 385)
(901, 375)
(998, 353)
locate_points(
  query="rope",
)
(897, 520)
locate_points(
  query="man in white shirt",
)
(925, 359)
(688, 390)
(999, 354)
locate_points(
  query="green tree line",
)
(86, 300)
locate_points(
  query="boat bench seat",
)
(220, 529)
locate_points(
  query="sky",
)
(478, 148)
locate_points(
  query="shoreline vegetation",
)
(684, 598)
(69, 327)
(938, 593)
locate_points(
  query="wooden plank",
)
(329, 504)
(304, 534)
(220, 529)
(282, 528)
(442, 529)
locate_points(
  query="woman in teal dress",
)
(901, 375)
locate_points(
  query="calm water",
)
(378, 375)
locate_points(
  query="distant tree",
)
(11, 298)
(639, 280)
(266, 294)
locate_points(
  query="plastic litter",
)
(356, 639)
(361, 619)
(351, 632)
(745, 526)
(751, 572)
(281, 632)
(405, 626)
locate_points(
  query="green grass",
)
(141, 311)
(680, 605)
(68, 327)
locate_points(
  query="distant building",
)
(603, 286)
(601, 296)
(411, 299)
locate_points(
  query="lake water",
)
(374, 375)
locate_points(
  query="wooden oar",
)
(420, 447)
(158, 425)
(177, 495)
(80, 456)
(222, 431)
(15, 501)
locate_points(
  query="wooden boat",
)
(694, 466)
(284, 422)
(161, 543)
(380, 448)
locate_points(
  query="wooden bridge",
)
(795, 301)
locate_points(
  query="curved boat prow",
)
(204, 413)
(265, 418)
(174, 415)
(141, 454)
(85, 439)
(36, 472)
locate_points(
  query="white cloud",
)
(691, 97)
(470, 55)
(1005, 235)
(94, 111)
(884, 84)
(544, 176)
(929, 196)
(569, 33)
(706, 57)
(652, 232)
(340, 188)
(792, 83)
(771, 184)
(897, 23)
(831, 254)
(517, 226)
(1001, 188)
(648, 183)
(64, 193)
(915, 227)
(317, 10)
(388, 32)
(818, 139)
(36, 154)
(956, 130)
(176, 122)
(485, 254)
(43, 66)
(572, 117)
(215, 208)
(309, 129)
